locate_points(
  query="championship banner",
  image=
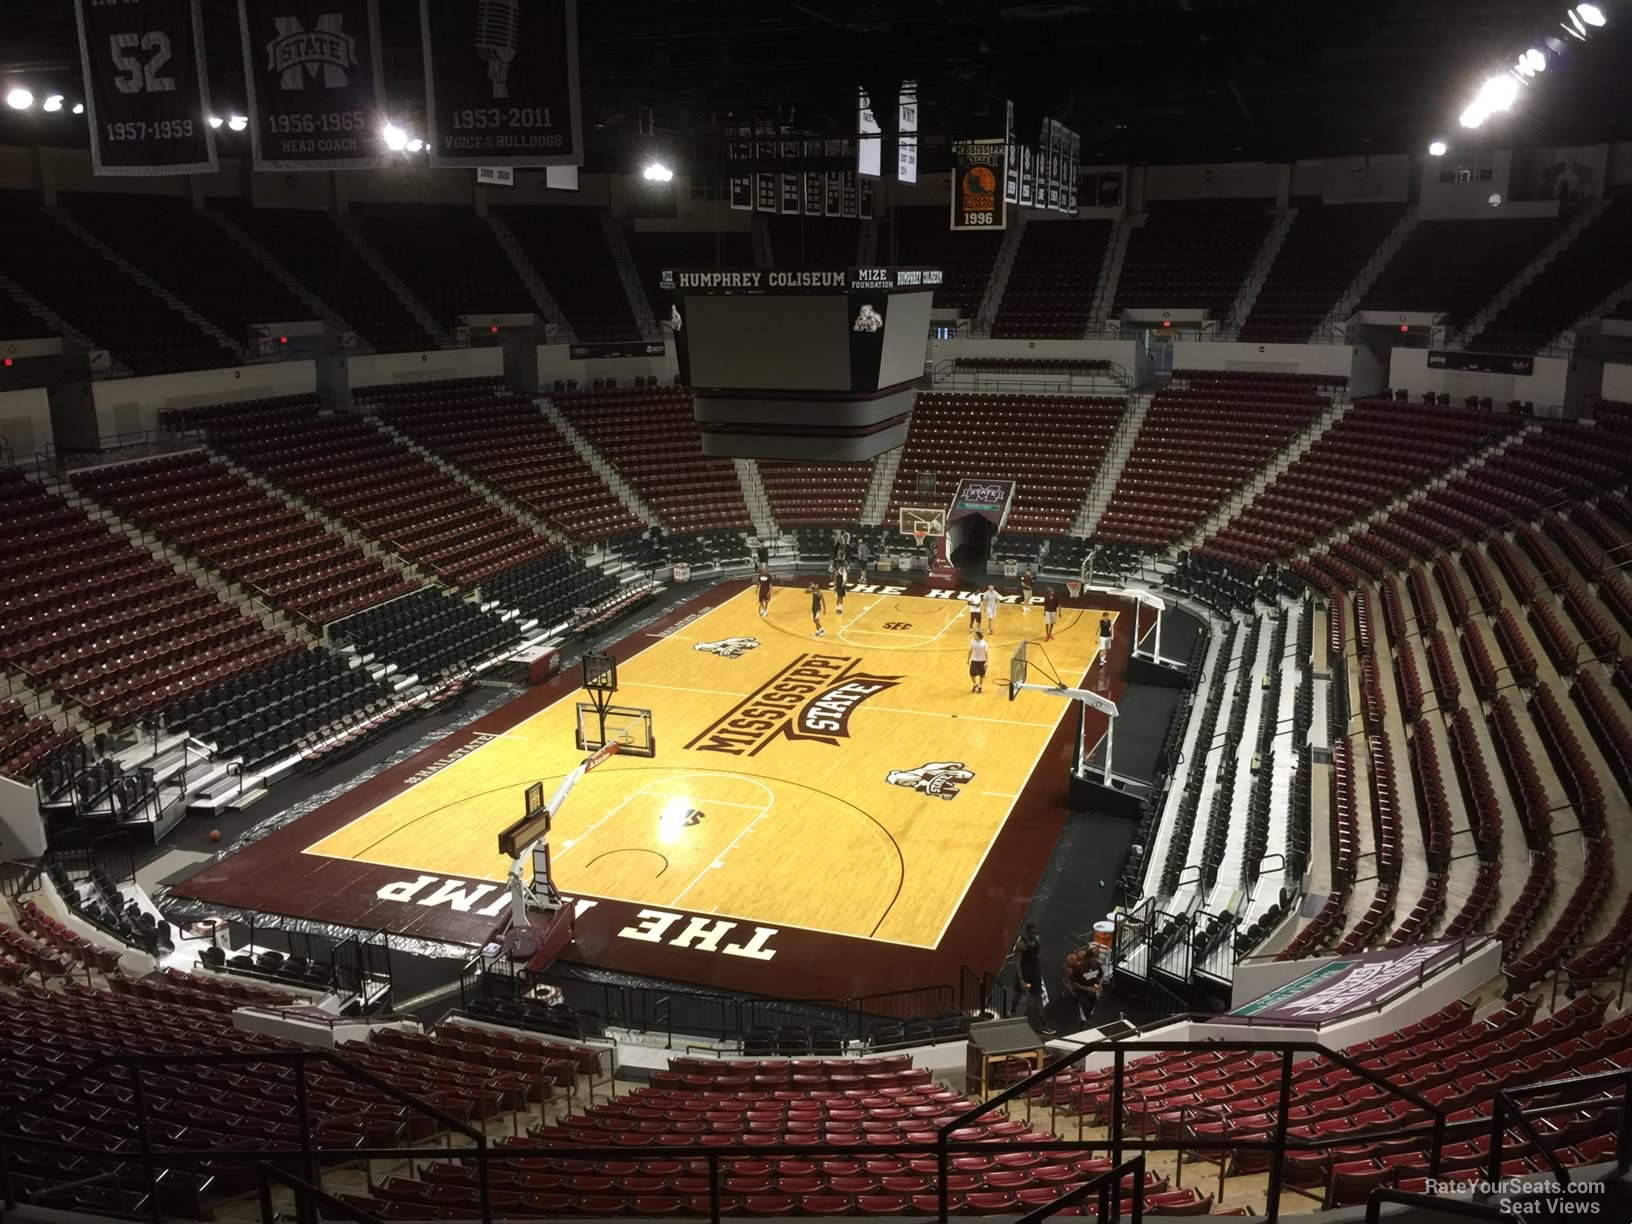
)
(977, 185)
(501, 82)
(1073, 169)
(849, 204)
(906, 149)
(146, 92)
(1011, 180)
(1027, 176)
(312, 68)
(813, 193)
(790, 198)
(864, 199)
(1055, 171)
(766, 184)
(832, 193)
(870, 146)
(742, 182)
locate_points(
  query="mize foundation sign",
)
(1347, 986)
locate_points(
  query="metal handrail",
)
(1449, 1206)
(305, 1193)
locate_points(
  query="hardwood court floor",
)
(789, 786)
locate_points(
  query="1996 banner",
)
(979, 170)
(501, 79)
(313, 71)
(146, 95)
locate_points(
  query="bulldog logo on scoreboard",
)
(729, 648)
(941, 779)
(811, 698)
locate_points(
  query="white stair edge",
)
(391, 280)
(1505, 295)
(1262, 265)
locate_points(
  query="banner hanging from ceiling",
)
(978, 171)
(146, 93)
(870, 142)
(501, 82)
(1073, 169)
(741, 180)
(1011, 180)
(906, 124)
(312, 68)
(1028, 175)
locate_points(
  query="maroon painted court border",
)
(273, 876)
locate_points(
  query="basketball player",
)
(764, 591)
(974, 611)
(818, 605)
(1106, 631)
(1051, 610)
(1025, 590)
(840, 585)
(977, 663)
(990, 599)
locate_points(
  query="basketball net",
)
(1073, 587)
(919, 534)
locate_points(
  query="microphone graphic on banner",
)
(498, 27)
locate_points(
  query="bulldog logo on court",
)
(729, 648)
(942, 779)
(811, 698)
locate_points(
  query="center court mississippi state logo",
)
(729, 648)
(297, 53)
(942, 779)
(812, 698)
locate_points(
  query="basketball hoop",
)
(1073, 587)
(920, 535)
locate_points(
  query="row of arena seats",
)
(429, 634)
(1323, 253)
(502, 438)
(1203, 437)
(1051, 286)
(29, 746)
(291, 560)
(105, 624)
(359, 475)
(652, 437)
(1049, 445)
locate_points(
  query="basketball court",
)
(826, 790)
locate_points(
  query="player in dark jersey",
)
(1051, 609)
(1025, 590)
(840, 585)
(1105, 634)
(818, 605)
(764, 591)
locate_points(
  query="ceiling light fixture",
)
(19, 99)
(395, 138)
(415, 145)
(214, 121)
(237, 123)
(657, 172)
(79, 108)
(53, 103)
(1437, 149)
(1590, 13)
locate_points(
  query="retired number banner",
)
(313, 72)
(501, 82)
(977, 184)
(146, 93)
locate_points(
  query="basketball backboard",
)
(1017, 669)
(923, 520)
(630, 725)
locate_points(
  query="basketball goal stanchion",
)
(1020, 682)
(528, 838)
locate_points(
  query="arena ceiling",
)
(1142, 80)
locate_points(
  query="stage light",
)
(237, 123)
(214, 121)
(1474, 116)
(1536, 60)
(1437, 149)
(19, 99)
(1575, 27)
(79, 108)
(395, 138)
(1590, 13)
(657, 172)
(415, 145)
(53, 103)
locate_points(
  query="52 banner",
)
(146, 95)
(313, 71)
(501, 82)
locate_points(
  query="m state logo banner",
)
(812, 698)
(312, 68)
